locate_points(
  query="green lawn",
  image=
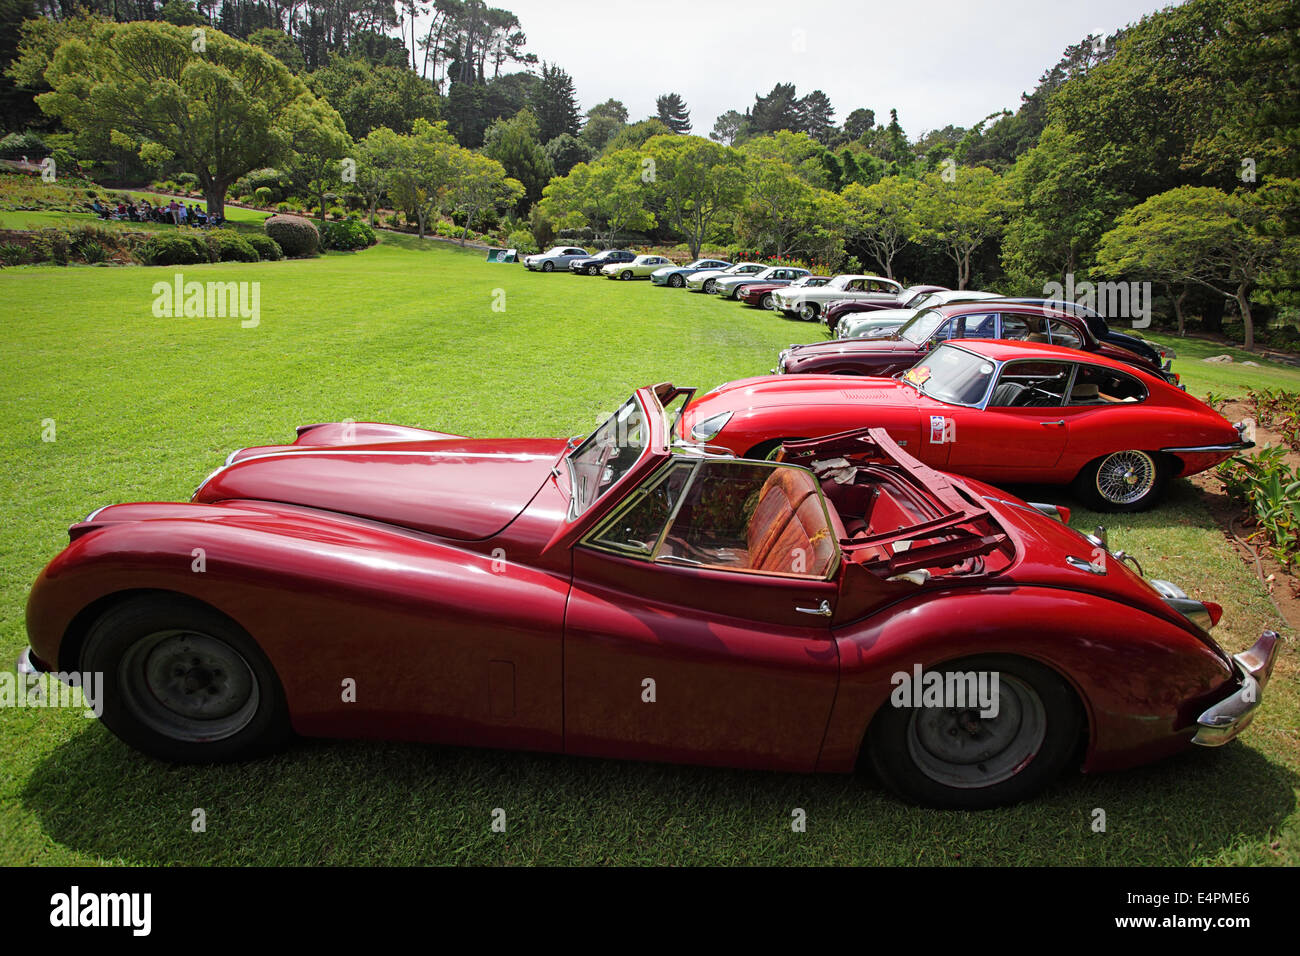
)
(405, 332)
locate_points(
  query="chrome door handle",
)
(821, 610)
(1053, 424)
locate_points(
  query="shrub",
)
(523, 241)
(18, 145)
(51, 245)
(263, 195)
(267, 248)
(298, 237)
(271, 179)
(13, 253)
(174, 249)
(226, 245)
(188, 180)
(351, 233)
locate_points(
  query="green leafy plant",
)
(298, 237)
(1270, 489)
(173, 249)
(267, 248)
(349, 234)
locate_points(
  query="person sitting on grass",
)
(98, 208)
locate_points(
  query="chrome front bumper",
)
(1230, 716)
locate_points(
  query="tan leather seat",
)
(1085, 393)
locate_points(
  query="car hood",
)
(772, 391)
(461, 488)
(850, 347)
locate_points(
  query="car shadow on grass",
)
(369, 803)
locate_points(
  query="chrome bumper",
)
(1233, 446)
(26, 666)
(1230, 716)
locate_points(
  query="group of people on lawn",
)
(176, 213)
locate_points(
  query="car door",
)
(1023, 429)
(697, 628)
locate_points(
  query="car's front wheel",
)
(768, 302)
(710, 286)
(1019, 734)
(809, 311)
(1122, 481)
(548, 266)
(676, 281)
(591, 270)
(184, 683)
(625, 275)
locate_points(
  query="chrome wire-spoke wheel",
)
(808, 312)
(1126, 477)
(188, 686)
(956, 747)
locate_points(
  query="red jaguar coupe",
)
(623, 596)
(998, 411)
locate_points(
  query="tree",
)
(319, 145)
(221, 110)
(778, 110)
(635, 136)
(368, 97)
(1222, 242)
(960, 214)
(673, 113)
(608, 196)
(565, 152)
(817, 116)
(479, 183)
(779, 207)
(514, 143)
(881, 220)
(281, 46)
(859, 123)
(555, 104)
(422, 175)
(378, 156)
(727, 128)
(603, 121)
(697, 182)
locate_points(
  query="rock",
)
(1218, 358)
(1251, 364)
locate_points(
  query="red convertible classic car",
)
(994, 410)
(623, 596)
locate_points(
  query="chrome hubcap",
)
(959, 748)
(1126, 477)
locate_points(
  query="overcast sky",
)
(936, 61)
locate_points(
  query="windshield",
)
(952, 375)
(920, 327)
(606, 455)
(921, 300)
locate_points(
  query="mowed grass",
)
(144, 407)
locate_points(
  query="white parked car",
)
(638, 268)
(707, 281)
(878, 324)
(808, 303)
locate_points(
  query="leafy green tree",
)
(320, 143)
(222, 110)
(635, 136)
(1222, 242)
(961, 213)
(609, 197)
(514, 143)
(798, 150)
(567, 151)
(696, 182)
(479, 183)
(378, 157)
(423, 172)
(728, 128)
(555, 103)
(880, 219)
(859, 123)
(672, 112)
(777, 111)
(181, 13)
(281, 46)
(780, 207)
(603, 121)
(368, 97)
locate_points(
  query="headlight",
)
(708, 429)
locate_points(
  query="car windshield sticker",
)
(918, 374)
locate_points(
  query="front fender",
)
(1140, 680)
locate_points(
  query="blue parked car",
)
(675, 276)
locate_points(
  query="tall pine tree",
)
(673, 113)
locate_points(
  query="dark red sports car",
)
(622, 596)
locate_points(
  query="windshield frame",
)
(988, 388)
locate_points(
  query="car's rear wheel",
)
(768, 302)
(676, 281)
(1122, 481)
(184, 683)
(809, 311)
(710, 286)
(955, 758)
(548, 266)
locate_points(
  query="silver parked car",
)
(553, 259)
(729, 286)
